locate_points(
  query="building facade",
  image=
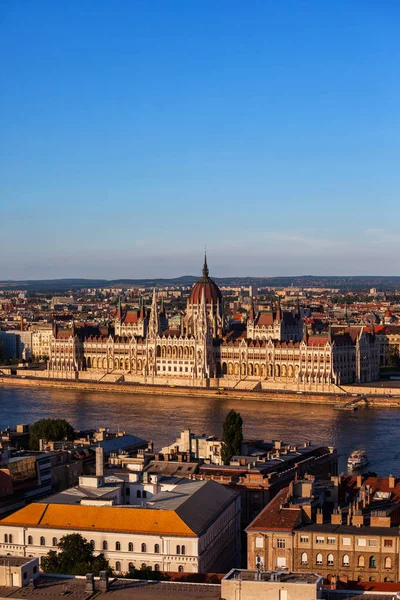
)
(273, 347)
(346, 528)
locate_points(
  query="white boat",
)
(358, 459)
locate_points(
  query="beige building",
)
(270, 347)
(41, 335)
(168, 525)
(17, 571)
(347, 527)
(205, 447)
(241, 584)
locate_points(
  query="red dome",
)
(211, 290)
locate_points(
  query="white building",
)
(166, 524)
(206, 447)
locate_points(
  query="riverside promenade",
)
(375, 397)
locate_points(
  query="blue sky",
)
(132, 133)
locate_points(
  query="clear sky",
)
(132, 133)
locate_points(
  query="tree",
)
(393, 359)
(76, 558)
(232, 435)
(53, 430)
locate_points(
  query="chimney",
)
(99, 461)
(319, 519)
(392, 482)
(336, 517)
(358, 519)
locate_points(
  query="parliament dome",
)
(211, 290)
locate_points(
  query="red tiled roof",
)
(274, 517)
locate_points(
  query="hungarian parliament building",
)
(272, 347)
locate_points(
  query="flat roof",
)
(121, 589)
(273, 576)
(15, 561)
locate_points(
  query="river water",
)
(161, 418)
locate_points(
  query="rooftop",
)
(274, 576)
(120, 589)
(15, 561)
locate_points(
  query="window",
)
(143, 566)
(34, 570)
(131, 566)
(281, 543)
(303, 539)
(144, 548)
(128, 492)
(372, 542)
(138, 494)
(346, 541)
(319, 559)
(304, 558)
(180, 569)
(105, 545)
(388, 543)
(320, 539)
(5, 538)
(346, 560)
(156, 549)
(259, 542)
(54, 541)
(130, 547)
(178, 549)
(330, 560)
(183, 550)
(118, 566)
(388, 563)
(118, 545)
(156, 567)
(42, 541)
(361, 561)
(361, 542)
(30, 539)
(331, 540)
(372, 562)
(144, 494)
(93, 544)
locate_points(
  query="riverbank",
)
(270, 395)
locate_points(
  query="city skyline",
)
(135, 134)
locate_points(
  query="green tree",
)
(232, 435)
(53, 430)
(393, 359)
(76, 557)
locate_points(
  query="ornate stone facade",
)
(271, 347)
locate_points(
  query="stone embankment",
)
(375, 400)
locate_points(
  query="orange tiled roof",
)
(100, 518)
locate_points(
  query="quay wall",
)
(375, 400)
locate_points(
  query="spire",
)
(153, 321)
(119, 311)
(205, 268)
(251, 313)
(297, 307)
(141, 308)
(305, 333)
(278, 310)
(162, 311)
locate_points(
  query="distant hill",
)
(382, 283)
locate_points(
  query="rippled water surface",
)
(161, 418)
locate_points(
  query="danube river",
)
(161, 418)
